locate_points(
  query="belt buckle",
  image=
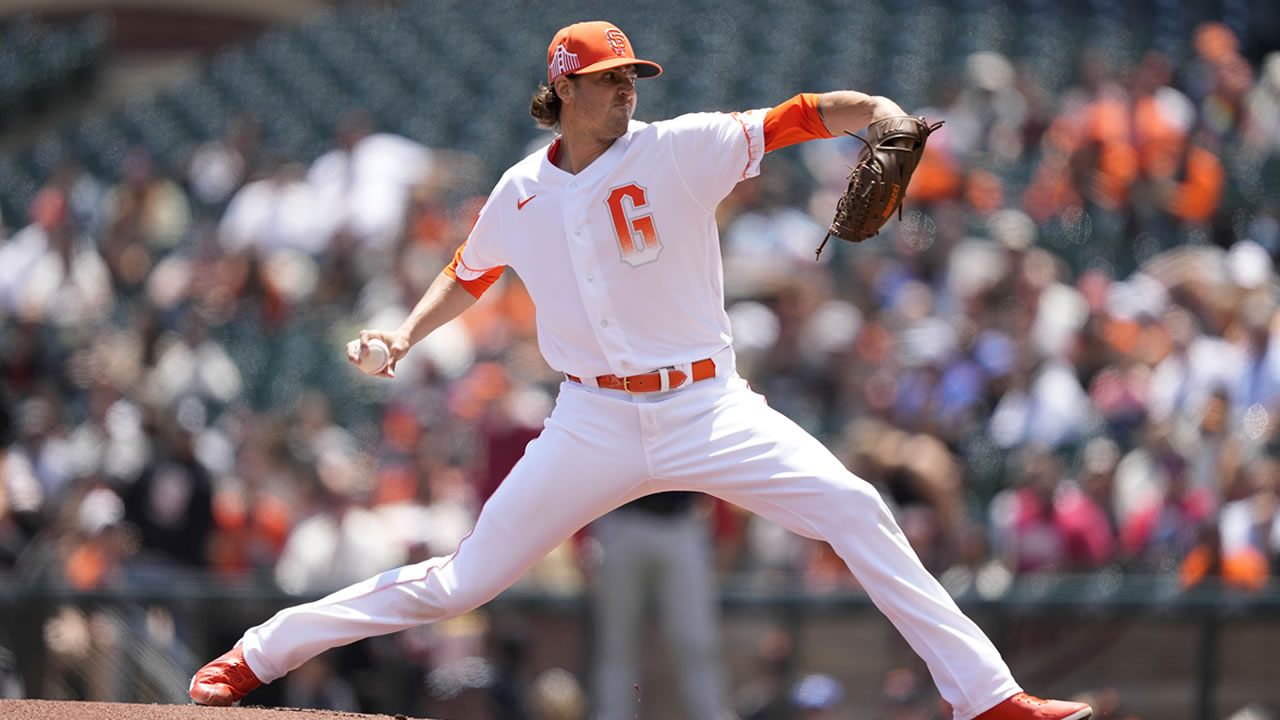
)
(626, 385)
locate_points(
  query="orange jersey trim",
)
(476, 285)
(795, 120)
(751, 149)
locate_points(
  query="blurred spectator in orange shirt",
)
(1245, 568)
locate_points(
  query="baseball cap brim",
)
(644, 68)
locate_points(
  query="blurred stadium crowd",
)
(1073, 371)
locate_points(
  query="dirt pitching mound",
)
(66, 710)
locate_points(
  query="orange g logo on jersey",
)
(617, 41)
(637, 236)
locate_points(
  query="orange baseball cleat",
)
(1029, 707)
(224, 681)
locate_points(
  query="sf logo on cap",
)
(617, 41)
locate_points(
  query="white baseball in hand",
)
(375, 361)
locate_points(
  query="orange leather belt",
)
(652, 381)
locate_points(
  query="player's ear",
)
(563, 87)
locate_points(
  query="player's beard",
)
(618, 119)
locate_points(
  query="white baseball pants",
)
(602, 448)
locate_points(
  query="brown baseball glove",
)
(892, 151)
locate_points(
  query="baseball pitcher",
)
(612, 228)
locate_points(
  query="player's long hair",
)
(545, 107)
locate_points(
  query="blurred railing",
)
(1168, 651)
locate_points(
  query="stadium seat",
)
(201, 108)
(17, 188)
(101, 145)
(418, 74)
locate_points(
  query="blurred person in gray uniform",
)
(658, 545)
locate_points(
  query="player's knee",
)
(432, 600)
(457, 603)
(460, 602)
(861, 499)
(435, 607)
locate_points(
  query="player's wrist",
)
(399, 340)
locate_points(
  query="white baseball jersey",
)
(592, 248)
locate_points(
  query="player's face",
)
(605, 100)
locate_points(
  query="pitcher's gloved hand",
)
(878, 181)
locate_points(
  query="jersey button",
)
(604, 323)
(590, 277)
(573, 186)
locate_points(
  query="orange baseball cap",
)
(588, 47)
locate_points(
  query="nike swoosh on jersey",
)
(521, 203)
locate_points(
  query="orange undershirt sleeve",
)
(476, 285)
(795, 120)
